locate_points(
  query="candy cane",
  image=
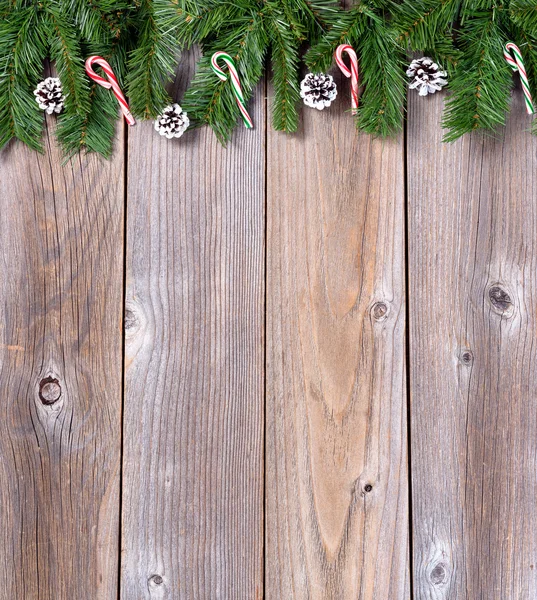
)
(517, 65)
(352, 72)
(237, 90)
(111, 82)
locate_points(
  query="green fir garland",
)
(142, 39)
(64, 32)
(468, 37)
(252, 31)
(369, 29)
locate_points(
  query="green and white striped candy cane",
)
(512, 50)
(237, 90)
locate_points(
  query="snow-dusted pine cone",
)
(426, 76)
(49, 96)
(318, 90)
(173, 121)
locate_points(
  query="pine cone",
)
(318, 90)
(49, 96)
(173, 122)
(426, 76)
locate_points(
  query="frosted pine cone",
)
(49, 96)
(318, 90)
(173, 122)
(426, 76)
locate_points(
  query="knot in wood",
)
(438, 574)
(368, 488)
(379, 310)
(131, 320)
(49, 390)
(156, 579)
(500, 299)
(467, 357)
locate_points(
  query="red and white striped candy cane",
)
(352, 72)
(110, 82)
(517, 65)
(235, 83)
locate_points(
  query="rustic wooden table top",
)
(299, 368)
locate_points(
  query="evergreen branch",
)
(528, 45)
(101, 27)
(89, 20)
(482, 82)
(210, 100)
(65, 52)
(22, 52)
(381, 66)
(524, 15)
(198, 23)
(292, 19)
(93, 132)
(422, 23)
(313, 17)
(349, 28)
(285, 77)
(152, 64)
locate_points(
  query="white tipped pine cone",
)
(49, 96)
(173, 122)
(318, 90)
(426, 76)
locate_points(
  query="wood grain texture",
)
(473, 307)
(61, 301)
(337, 496)
(193, 468)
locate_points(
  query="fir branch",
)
(312, 17)
(292, 19)
(152, 64)
(199, 22)
(210, 100)
(482, 82)
(22, 52)
(367, 30)
(382, 66)
(349, 28)
(94, 132)
(285, 76)
(422, 23)
(65, 52)
(524, 15)
(528, 45)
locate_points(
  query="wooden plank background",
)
(194, 364)
(337, 497)
(324, 386)
(473, 305)
(61, 301)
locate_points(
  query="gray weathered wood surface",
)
(259, 447)
(337, 497)
(473, 305)
(61, 298)
(193, 452)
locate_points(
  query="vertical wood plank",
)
(473, 306)
(193, 478)
(61, 302)
(337, 495)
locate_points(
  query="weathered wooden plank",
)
(336, 505)
(193, 468)
(473, 306)
(61, 303)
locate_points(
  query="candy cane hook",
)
(352, 72)
(237, 90)
(110, 82)
(516, 64)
